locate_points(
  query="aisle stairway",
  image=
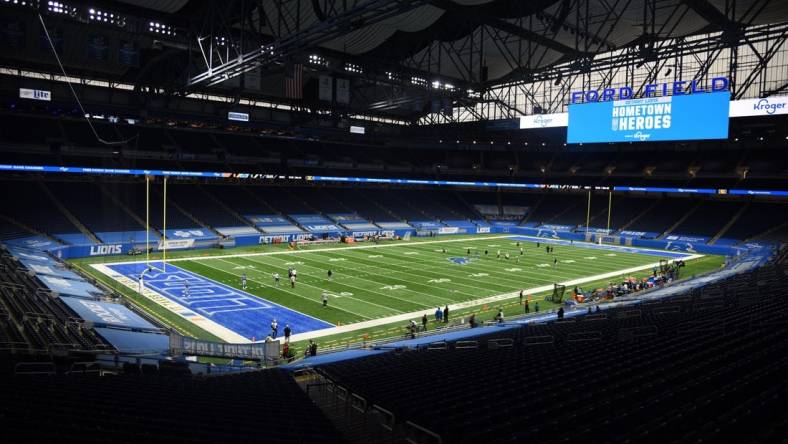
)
(70, 216)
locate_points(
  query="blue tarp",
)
(310, 219)
(459, 223)
(107, 314)
(426, 224)
(686, 238)
(348, 218)
(33, 243)
(642, 234)
(35, 256)
(119, 237)
(75, 238)
(50, 268)
(135, 342)
(267, 220)
(190, 233)
(68, 287)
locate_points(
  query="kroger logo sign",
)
(544, 120)
(639, 136)
(770, 108)
(759, 107)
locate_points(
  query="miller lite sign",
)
(35, 94)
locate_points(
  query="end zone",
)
(227, 313)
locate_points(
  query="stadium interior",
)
(467, 251)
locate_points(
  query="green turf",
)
(395, 278)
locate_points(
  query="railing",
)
(357, 418)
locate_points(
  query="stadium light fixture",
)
(436, 84)
(60, 8)
(21, 3)
(420, 81)
(315, 59)
(161, 28)
(352, 67)
(101, 16)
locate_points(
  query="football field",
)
(371, 284)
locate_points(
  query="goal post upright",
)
(164, 229)
(588, 212)
(148, 179)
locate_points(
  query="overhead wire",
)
(74, 93)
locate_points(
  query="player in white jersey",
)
(276, 279)
(186, 291)
(243, 281)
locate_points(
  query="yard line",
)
(416, 294)
(273, 253)
(321, 289)
(408, 316)
(578, 249)
(410, 282)
(287, 291)
(445, 269)
(352, 286)
(534, 274)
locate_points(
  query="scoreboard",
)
(650, 119)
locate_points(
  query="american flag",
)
(294, 77)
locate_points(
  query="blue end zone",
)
(246, 314)
(618, 248)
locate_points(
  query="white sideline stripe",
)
(272, 253)
(408, 316)
(197, 319)
(620, 248)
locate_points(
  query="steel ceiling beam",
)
(363, 14)
(482, 17)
